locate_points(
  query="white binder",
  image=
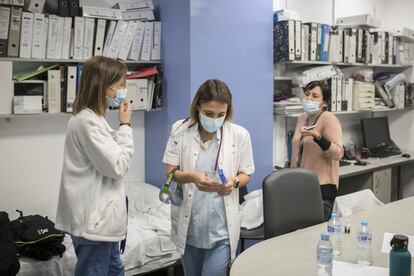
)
(137, 93)
(6, 76)
(109, 35)
(44, 37)
(99, 37)
(135, 52)
(137, 4)
(156, 45)
(53, 91)
(142, 15)
(26, 35)
(147, 43)
(100, 12)
(67, 30)
(88, 38)
(78, 37)
(38, 30)
(127, 40)
(70, 88)
(14, 32)
(55, 37)
(35, 6)
(115, 45)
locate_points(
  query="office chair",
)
(248, 234)
(291, 200)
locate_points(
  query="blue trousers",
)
(207, 262)
(97, 258)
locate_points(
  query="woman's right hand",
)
(125, 112)
(204, 183)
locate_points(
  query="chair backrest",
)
(291, 200)
(356, 202)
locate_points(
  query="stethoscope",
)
(175, 196)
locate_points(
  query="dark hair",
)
(211, 90)
(98, 74)
(325, 87)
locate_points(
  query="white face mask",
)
(209, 124)
(310, 107)
(121, 95)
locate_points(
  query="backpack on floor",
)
(36, 237)
(9, 263)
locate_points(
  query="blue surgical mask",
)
(310, 107)
(211, 125)
(121, 95)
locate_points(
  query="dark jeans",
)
(329, 193)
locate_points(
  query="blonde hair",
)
(211, 90)
(97, 75)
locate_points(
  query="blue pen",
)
(222, 177)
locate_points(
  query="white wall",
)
(32, 152)
(309, 11)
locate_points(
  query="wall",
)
(32, 154)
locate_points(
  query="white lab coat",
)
(92, 195)
(235, 157)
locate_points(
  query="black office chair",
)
(246, 234)
(291, 200)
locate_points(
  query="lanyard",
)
(219, 149)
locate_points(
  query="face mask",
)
(121, 95)
(211, 125)
(310, 107)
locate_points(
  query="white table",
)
(295, 253)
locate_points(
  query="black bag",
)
(36, 237)
(9, 263)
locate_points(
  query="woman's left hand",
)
(227, 188)
(313, 132)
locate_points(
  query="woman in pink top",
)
(317, 142)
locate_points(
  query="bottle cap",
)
(325, 236)
(364, 222)
(399, 242)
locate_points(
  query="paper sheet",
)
(386, 247)
(346, 269)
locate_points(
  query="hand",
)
(227, 188)
(313, 132)
(125, 112)
(204, 183)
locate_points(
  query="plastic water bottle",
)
(351, 148)
(364, 241)
(324, 253)
(335, 230)
(400, 257)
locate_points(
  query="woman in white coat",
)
(92, 199)
(206, 225)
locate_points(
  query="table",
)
(295, 253)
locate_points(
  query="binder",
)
(78, 37)
(53, 91)
(347, 45)
(55, 37)
(44, 37)
(298, 40)
(74, 8)
(6, 76)
(150, 89)
(318, 41)
(324, 42)
(339, 92)
(334, 45)
(137, 93)
(334, 86)
(79, 68)
(350, 93)
(67, 31)
(115, 45)
(359, 40)
(108, 38)
(284, 40)
(313, 34)
(390, 48)
(352, 46)
(63, 8)
(135, 52)
(147, 43)
(138, 4)
(26, 35)
(303, 36)
(38, 29)
(70, 88)
(88, 38)
(14, 33)
(127, 40)
(141, 15)
(99, 12)
(4, 30)
(156, 42)
(99, 37)
(35, 6)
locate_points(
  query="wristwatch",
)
(236, 183)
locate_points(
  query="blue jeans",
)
(97, 258)
(207, 262)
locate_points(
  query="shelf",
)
(34, 60)
(299, 63)
(295, 115)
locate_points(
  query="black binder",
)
(63, 7)
(74, 8)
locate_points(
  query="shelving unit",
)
(299, 63)
(33, 60)
(295, 115)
